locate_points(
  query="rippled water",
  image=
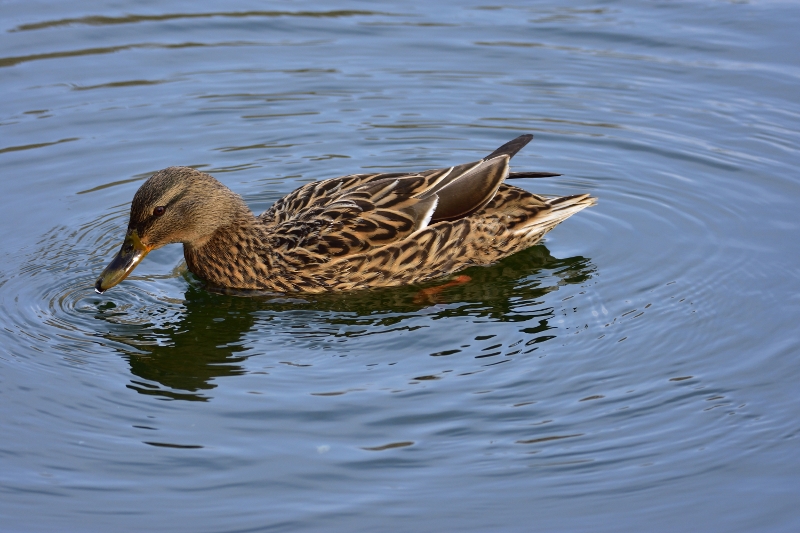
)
(636, 372)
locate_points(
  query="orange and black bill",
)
(131, 253)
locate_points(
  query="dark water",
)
(637, 372)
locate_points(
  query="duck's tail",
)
(560, 209)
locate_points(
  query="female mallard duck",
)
(351, 232)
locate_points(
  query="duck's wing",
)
(353, 214)
(459, 186)
(318, 194)
(373, 215)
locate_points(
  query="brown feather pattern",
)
(362, 230)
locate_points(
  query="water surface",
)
(636, 371)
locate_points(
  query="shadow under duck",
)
(352, 232)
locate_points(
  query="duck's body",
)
(352, 232)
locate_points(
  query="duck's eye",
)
(158, 211)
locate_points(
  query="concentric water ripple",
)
(634, 372)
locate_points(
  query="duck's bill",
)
(130, 255)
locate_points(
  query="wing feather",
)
(353, 214)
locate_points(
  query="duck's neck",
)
(233, 256)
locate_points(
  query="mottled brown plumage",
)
(352, 232)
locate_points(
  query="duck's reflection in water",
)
(179, 353)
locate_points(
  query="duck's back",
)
(369, 230)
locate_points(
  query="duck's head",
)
(177, 204)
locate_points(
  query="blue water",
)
(637, 371)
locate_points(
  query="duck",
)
(354, 232)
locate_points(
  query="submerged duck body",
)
(353, 232)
